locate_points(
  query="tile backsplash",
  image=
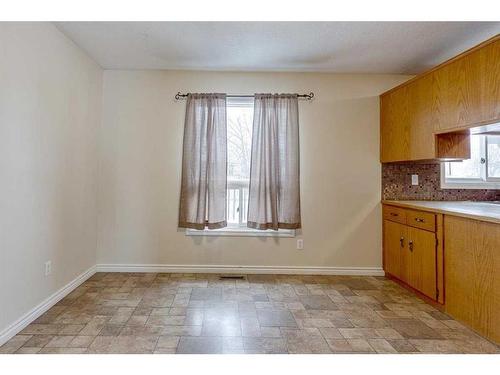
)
(396, 185)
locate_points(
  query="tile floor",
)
(195, 313)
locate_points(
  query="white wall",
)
(140, 168)
(50, 110)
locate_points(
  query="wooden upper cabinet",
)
(422, 145)
(490, 58)
(395, 133)
(418, 117)
(459, 92)
(406, 122)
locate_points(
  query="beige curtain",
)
(203, 186)
(274, 194)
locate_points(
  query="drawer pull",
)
(419, 220)
(394, 214)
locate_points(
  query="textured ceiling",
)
(341, 47)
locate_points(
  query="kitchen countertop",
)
(484, 211)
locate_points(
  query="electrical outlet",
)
(48, 268)
(300, 244)
(414, 179)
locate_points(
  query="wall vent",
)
(232, 277)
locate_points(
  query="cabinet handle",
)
(402, 242)
(410, 245)
(419, 220)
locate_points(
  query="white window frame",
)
(240, 229)
(483, 182)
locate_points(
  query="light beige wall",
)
(50, 109)
(140, 161)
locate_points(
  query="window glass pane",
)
(470, 168)
(493, 155)
(233, 206)
(239, 144)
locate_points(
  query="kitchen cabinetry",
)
(455, 253)
(394, 126)
(422, 272)
(395, 256)
(425, 118)
(411, 249)
(472, 278)
(467, 90)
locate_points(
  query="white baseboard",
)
(178, 268)
(38, 310)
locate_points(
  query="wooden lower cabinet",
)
(395, 257)
(422, 273)
(452, 260)
(410, 255)
(472, 277)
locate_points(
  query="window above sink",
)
(481, 171)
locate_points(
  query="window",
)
(481, 171)
(239, 145)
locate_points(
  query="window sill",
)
(470, 185)
(241, 232)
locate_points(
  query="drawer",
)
(396, 214)
(421, 219)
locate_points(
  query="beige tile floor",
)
(199, 313)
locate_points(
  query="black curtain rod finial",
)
(179, 96)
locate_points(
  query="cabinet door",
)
(422, 269)
(458, 89)
(394, 249)
(467, 90)
(472, 277)
(490, 60)
(422, 140)
(394, 126)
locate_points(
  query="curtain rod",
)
(309, 96)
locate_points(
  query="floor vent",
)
(231, 277)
